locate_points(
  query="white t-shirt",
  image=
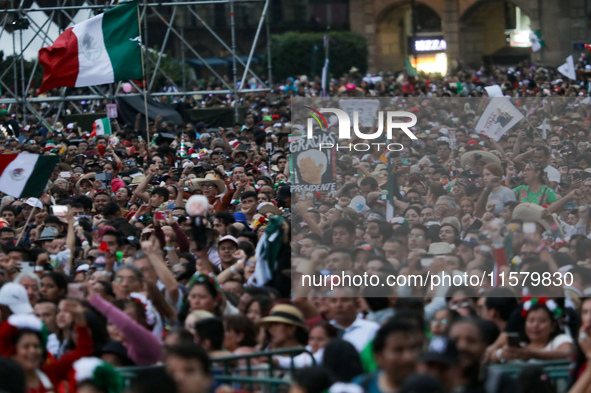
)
(53, 344)
(213, 256)
(302, 360)
(558, 341)
(552, 173)
(360, 332)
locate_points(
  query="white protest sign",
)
(112, 111)
(498, 118)
(367, 110)
(372, 79)
(494, 91)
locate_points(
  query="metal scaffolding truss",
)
(166, 12)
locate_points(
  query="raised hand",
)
(151, 246)
(76, 310)
(143, 209)
(344, 201)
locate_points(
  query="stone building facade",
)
(472, 30)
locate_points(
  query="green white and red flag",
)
(101, 127)
(103, 49)
(25, 175)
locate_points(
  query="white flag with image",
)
(498, 118)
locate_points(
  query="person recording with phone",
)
(112, 168)
(543, 340)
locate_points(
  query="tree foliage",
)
(295, 53)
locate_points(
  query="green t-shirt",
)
(367, 360)
(545, 196)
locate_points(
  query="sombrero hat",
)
(487, 157)
(245, 152)
(381, 177)
(534, 212)
(285, 313)
(269, 208)
(209, 178)
(89, 176)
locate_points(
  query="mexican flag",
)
(101, 127)
(102, 49)
(537, 42)
(410, 70)
(25, 175)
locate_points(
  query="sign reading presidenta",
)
(312, 169)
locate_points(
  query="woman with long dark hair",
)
(543, 336)
(239, 332)
(535, 190)
(23, 338)
(54, 286)
(205, 294)
(286, 327)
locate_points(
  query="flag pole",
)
(144, 78)
(325, 77)
(533, 128)
(25, 227)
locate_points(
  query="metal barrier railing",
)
(130, 374)
(558, 371)
(229, 366)
(229, 370)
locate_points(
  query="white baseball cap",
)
(228, 238)
(15, 297)
(34, 202)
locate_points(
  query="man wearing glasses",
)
(217, 191)
(417, 238)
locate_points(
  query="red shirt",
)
(58, 371)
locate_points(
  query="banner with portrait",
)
(313, 166)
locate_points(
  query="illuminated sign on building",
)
(430, 45)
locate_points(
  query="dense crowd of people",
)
(118, 264)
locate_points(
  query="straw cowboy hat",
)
(439, 248)
(137, 180)
(269, 208)
(470, 157)
(536, 213)
(211, 179)
(285, 313)
(245, 152)
(91, 176)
